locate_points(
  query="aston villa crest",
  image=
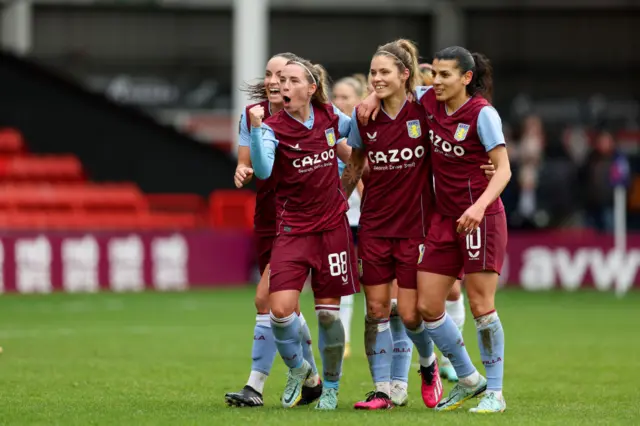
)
(331, 137)
(461, 132)
(413, 128)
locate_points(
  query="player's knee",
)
(281, 311)
(327, 317)
(429, 310)
(378, 309)
(480, 306)
(411, 320)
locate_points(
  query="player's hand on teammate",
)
(242, 176)
(370, 107)
(489, 170)
(256, 114)
(470, 219)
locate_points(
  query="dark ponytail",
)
(482, 80)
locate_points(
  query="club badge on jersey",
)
(413, 128)
(461, 132)
(331, 137)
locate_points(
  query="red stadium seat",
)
(232, 209)
(11, 141)
(44, 168)
(73, 198)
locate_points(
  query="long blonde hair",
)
(405, 55)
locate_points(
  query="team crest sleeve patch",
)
(461, 132)
(413, 128)
(331, 136)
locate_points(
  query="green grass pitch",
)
(168, 358)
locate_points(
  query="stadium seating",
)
(63, 168)
(51, 192)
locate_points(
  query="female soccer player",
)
(347, 93)
(298, 145)
(469, 229)
(392, 222)
(455, 299)
(263, 352)
(465, 131)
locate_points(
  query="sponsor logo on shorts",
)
(287, 229)
(421, 253)
(360, 267)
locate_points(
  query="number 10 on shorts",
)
(474, 242)
(338, 264)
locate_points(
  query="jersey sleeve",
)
(354, 140)
(490, 128)
(243, 131)
(344, 122)
(263, 150)
(420, 91)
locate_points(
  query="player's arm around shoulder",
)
(343, 150)
(356, 161)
